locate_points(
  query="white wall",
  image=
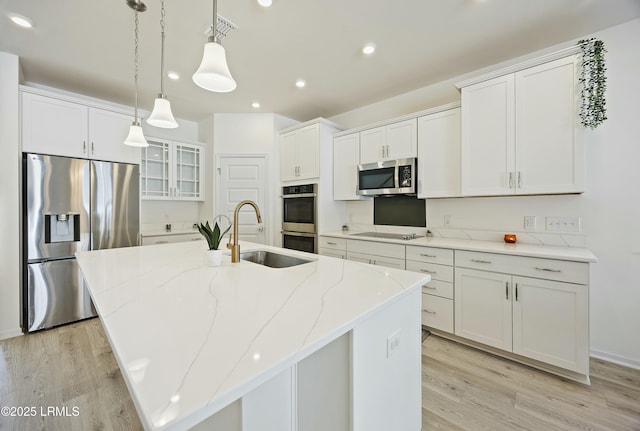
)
(609, 209)
(235, 134)
(9, 197)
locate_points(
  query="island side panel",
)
(386, 368)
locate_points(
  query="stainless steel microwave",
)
(392, 177)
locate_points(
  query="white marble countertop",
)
(576, 254)
(160, 232)
(191, 339)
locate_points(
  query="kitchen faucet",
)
(233, 240)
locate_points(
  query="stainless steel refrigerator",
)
(71, 205)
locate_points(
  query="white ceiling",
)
(87, 47)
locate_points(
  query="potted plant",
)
(213, 237)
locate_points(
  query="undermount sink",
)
(271, 259)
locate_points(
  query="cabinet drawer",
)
(334, 243)
(389, 262)
(377, 248)
(549, 269)
(437, 272)
(430, 254)
(166, 239)
(443, 289)
(437, 312)
(330, 252)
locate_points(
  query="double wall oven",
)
(300, 217)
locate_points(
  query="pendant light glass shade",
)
(213, 73)
(135, 138)
(161, 116)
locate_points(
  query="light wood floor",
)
(463, 388)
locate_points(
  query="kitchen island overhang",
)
(192, 339)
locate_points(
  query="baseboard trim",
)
(5, 335)
(616, 359)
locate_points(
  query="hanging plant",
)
(593, 110)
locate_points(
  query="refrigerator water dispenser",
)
(61, 228)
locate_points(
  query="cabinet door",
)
(551, 322)
(549, 148)
(372, 145)
(308, 152)
(488, 137)
(187, 171)
(439, 155)
(288, 162)
(346, 157)
(155, 170)
(55, 127)
(332, 253)
(107, 132)
(483, 307)
(401, 140)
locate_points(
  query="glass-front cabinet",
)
(171, 170)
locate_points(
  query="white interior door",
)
(241, 178)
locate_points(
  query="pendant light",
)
(136, 137)
(161, 116)
(213, 73)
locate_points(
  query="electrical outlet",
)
(447, 220)
(529, 222)
(563, 224)
(393, 343)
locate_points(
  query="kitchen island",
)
(328, 344)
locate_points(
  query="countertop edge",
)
(575, 254)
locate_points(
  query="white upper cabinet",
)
(346, 157)
(390, 142)
(439, 154)
(171, 170)
(521, 133)
(59, 127)
(300, 154)
(549, 146)
(107, 132)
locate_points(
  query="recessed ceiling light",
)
(369, 49)
(301, 83)
(20, 20)
(173, 75)
(255, 105)
(265, 3)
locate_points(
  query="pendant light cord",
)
(162, 14)
(214, 25)
(135, 75)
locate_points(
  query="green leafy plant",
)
(593, 110)
(213, 236)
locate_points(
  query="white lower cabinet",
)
(332, 247)
(437, 295)
(171, 238)
(545, 319)
(376, 253)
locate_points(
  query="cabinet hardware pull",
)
(429, 312)
(427, 255)
(387, 151)
(480, 261)
(548, 269)
(428, 272)
(506, 289)
(331, 243)
(516, 291)
(510, 180)
(84, 146)
(162, 242)
(425, 286)
(519, 180)
(92, 148)
(382, 150)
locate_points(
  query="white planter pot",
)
(213, 257)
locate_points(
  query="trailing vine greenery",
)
(593, 110)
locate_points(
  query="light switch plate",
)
(393, 343)
(563, 224)
(529, 222)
